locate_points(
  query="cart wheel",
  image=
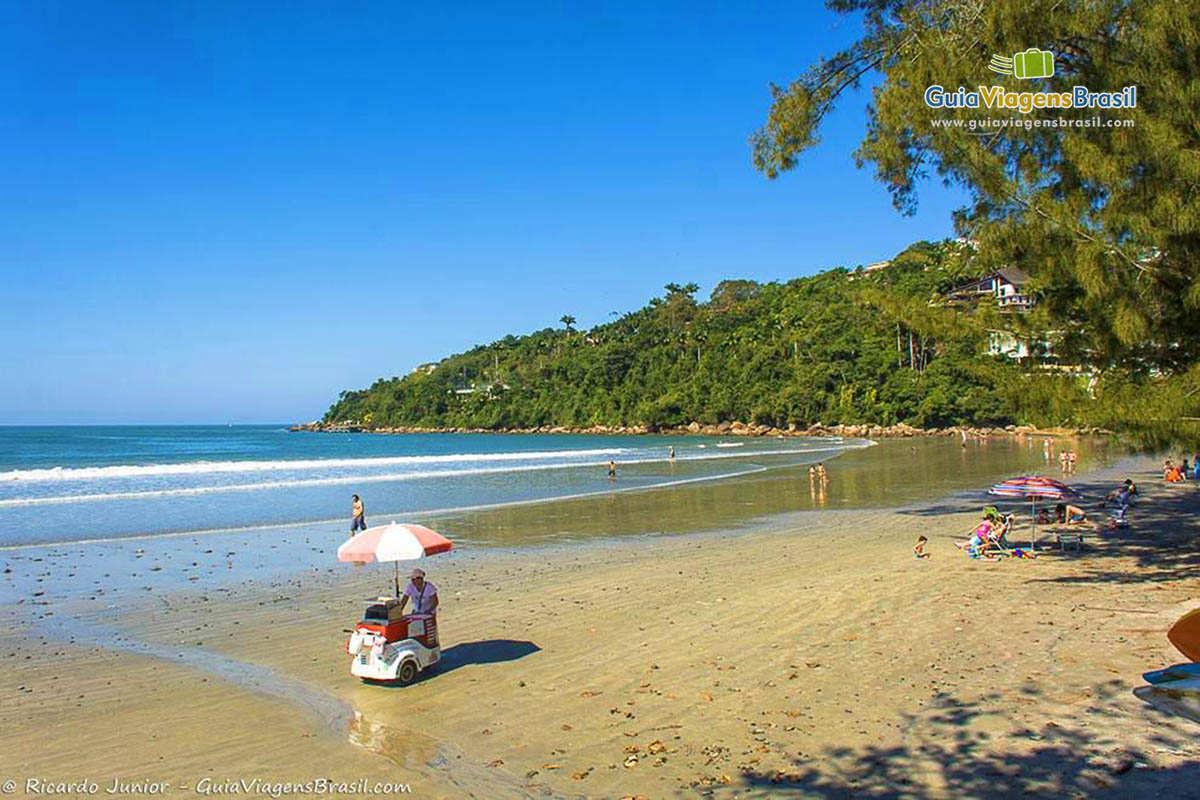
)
(407, 672)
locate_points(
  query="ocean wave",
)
(418, 514)
(336, 480)
(213, 467)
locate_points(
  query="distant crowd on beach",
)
(988, 539)
(1173, 473)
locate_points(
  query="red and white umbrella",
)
(394, 542)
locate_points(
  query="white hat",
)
(417, 573)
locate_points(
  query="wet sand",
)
(809, 657)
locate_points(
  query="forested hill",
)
(839, 347)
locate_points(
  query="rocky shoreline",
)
(727, 429)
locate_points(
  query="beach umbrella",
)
(1033, 488)
(394, 542)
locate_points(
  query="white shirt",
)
(422, 600)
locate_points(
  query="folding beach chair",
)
(997, 543)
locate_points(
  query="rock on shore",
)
(899, 430)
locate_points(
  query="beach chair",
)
(999, 542)
(1069, 539)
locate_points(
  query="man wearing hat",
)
(422, 593)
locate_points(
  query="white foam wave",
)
(420, 514)
(213, 467)
(380, 478)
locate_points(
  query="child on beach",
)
(977, 546)
(919, 548)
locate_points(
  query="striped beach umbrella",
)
(394, 542)
(1033, 488)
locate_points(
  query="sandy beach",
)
(812, 657)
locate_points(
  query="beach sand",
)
(814, 657)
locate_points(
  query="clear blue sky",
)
(220, 211)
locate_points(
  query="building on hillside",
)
(1006, 286)
(489, 389)
(1005, 343)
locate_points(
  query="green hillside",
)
(838, 347)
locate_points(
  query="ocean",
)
(75, 484)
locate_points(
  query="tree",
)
(813, 349)
(568, 321)
(686, 290)
(1104, 219)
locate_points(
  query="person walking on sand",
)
(358, 519)
(423, 594)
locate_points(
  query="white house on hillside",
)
(1006, 288)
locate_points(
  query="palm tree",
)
(568, 320)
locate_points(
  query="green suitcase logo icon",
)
(1033, 63)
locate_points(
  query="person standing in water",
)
(612, 470)
(358, 519)
(671, 453)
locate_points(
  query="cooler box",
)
(386, 620)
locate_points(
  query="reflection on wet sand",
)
(895, 472)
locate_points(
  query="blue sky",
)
(220, 212)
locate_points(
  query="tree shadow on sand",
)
(1159, 545)
(948, 753)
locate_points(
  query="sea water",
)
(72, 484)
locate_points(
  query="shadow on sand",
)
(488, 651)
(949, 753)
(1159, 545)
(464, 654)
